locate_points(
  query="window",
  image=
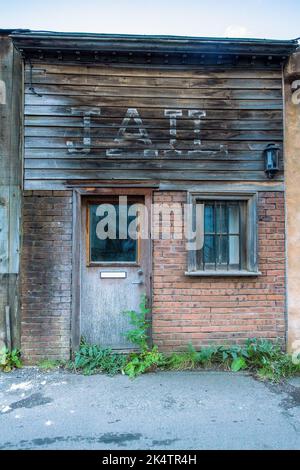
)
(228, 225)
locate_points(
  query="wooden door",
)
(114, 274)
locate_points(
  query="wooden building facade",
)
(162, 121)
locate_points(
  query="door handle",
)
(138, 282)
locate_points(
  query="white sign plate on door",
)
(113, 274)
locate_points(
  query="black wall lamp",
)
(271, 156)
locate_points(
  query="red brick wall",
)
(220, 310)
(197, 310)
(46, 275)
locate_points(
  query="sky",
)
(272, 19)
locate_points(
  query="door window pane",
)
(114, 248)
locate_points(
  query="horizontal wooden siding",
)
(180, 124)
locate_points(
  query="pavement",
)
(157, 411)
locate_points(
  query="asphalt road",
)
(166, 410)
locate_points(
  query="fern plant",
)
(90, 359)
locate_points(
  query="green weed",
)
(49, 364)
(90, 359)
(10, 360)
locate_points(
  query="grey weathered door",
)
(114, 276)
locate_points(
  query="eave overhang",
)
(136, 49)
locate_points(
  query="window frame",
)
(251, 236)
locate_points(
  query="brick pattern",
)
(220, 310)
(197, 310)
(46, 266)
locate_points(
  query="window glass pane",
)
(209, 218)
(222, 217)
(110, 249)
(209, 249)
(222, 249)
(234, 218)
(234, 249)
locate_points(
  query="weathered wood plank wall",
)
(128, 123)
(10, 187)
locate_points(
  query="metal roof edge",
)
(10, 31)
(24, 35)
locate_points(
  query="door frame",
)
(78, 194)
